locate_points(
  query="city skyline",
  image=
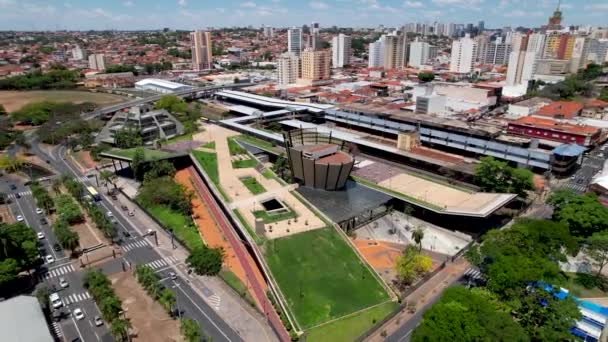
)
(189, 14)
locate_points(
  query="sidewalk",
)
(238, 314)
(423, 295)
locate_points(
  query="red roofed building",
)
(561, 110)
(555, 130)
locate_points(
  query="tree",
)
(167, 299)
(582, 214)
(190, 330)
(464, 315)
(597, 249)
(128, 138)
(42, 294)
(417, 236)
(426, 77)
(205, 260)
(3, 110)
(108, 177)
(281, 168)
(56, 185)
(137, 163)
(119, 328)
(497, 176)
(411, 264)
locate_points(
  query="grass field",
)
(14, 100)
(149, 154)
(210, 145)
(243, 164)
(178, 139)
(321, 277)
(180, 224)
(237, 285)
(253, 185)
(235, 148)
(272, 218)
(349, 328)
(209, 163)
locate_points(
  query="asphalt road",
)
(193, 306)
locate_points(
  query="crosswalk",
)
(134, 245)
(22, 193)
(473, 273)
(75, 298)
(56, 272)
(160, 263)
(56, 330)
(215, 301)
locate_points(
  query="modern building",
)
(464, 51)
(149, 123)
(314, 37)
(288, 68)
(202, 50)
(376, 53)
(22, 319)
(558, 46)
(555, 130)
(78, 54)
(420, 53)
(268, 31)
(341, 50)
(496, 53)
(430, 104)
(597, 51)
(526, 49)
(315, 65)
(160, 86)
(97, 61)
(294, 40)
(318, 160)
(395, 51)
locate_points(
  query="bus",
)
(94, 194)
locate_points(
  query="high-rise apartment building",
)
(464, 52)
(315, 65)
(395, 51)
(288, 68)
(294, 40)
(341, 50)
(558, 46)
(376, 53)
(597, 51)
(580, 51)
(202, 54)
(268, 32)
(420, 53)
(97, 61)
(314, 37)
(525, 50)
(78, 53)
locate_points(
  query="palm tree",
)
(120, 329)
(108, 177)
(417, 236)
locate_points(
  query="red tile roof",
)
(595, 103)
(551, 124)
(561, 109)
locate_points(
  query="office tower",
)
(376, 53)
(202, 57)
(483, 44)
(268, 32)
(597, 51)
(294, 40)
(78, 53)
(315, 65)
(464, 51)
(481, 26)
(525, 50)
(469, 28)
(288, 68)
(497, 53)
(341, 50)
(450, 30)
(314, 37)
(420, 53)
(97, 61)
(395, 51)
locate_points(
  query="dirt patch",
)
(85, 160)
(5, 215)
(14, 100)
(148, 318)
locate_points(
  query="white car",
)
(78, 314)
(19, 218)
(49, 259)
(109, 214)
(39, 211)
(40, 235)
(55, 300)
(63, 283)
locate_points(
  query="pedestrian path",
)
(56, 330)
(22, 193)
(75, 298)
(135, 245)
(473, 273)
(214, 301)
(160, 263)
(56, 272)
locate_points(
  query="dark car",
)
(13, 187)
(114, 197)
(17, 195)
(126, 234)
(43, 221)
(56, 247)
(124, 207)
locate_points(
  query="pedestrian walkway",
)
(134, 245)
(473, 274)
(76, 298)
(56, 272)
(214, 301)
(21, 194)
(56, 330)
(160, 263)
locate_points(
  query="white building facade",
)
(340, 50)
(294, 40)
(288, 68)
(464, 52)
(376, 53)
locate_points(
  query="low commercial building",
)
(549, 129)
(116, 80)
(527, 107)
(22, 319)
(160, 86)
(561, 110)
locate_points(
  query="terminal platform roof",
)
(272, 102)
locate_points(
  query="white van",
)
(55, 300)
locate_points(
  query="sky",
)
(198, 14)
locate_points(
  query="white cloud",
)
(318, 5)
(182, 3)
(248, 4)
(597, 7)
(518, 13)
(413, 4)
(128, 3)
(432, 14)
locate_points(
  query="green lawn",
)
(253, 185)
(149, 154)
(210, 145)
(243, 164)
(272, 218)
(235, 148)
(321, 277)
(180, 224)
(209, 163)
(178, 138)
(349, 328)
(268, 174)
(237, 285)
